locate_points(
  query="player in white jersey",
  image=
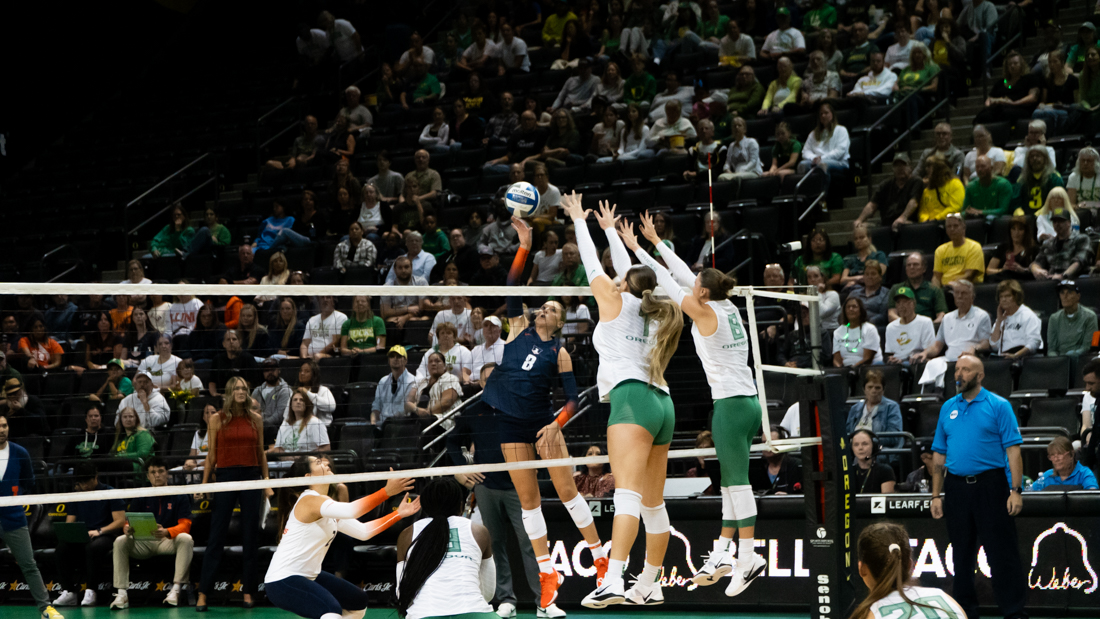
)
(310, 521)
(445, 562)
(635, 338)
(886, 565)
(723, 347)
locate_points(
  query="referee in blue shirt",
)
(975, 434)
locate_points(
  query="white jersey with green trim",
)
(454, 588)
(624, 344)
(725, 353)
(933, 604)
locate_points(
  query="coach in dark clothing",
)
(496, 496)
(1090, 451)
(80, 563)
(975, 435)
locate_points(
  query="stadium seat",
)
(922, 237)
(1042, 376)
(1049, 413)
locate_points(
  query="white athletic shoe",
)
(644, 596)
(550, 612)
(89, 598)
(67, 598)
(173, 597)
(718, 565)
(607, 594)
(507, 610)
(742, 578)
(121, 601)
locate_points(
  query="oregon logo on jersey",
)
(455, 544)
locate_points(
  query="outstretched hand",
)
(648, 229)
(626, 231)
(571, 204)
(606, 215)
(408, 508)
(523, 231)
(399, 485)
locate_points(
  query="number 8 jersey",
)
(624, 344)
(725, 353)
(521, 385)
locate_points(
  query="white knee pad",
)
(579, 511)
(742, 501)
(727, 504)
(354, 614)
(534, 523)
(627, 503)
(655, 519)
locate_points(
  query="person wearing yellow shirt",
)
(785, 89)
(944, 192)
(555, 23)
(959, 258)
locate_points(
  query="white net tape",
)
(201, 290)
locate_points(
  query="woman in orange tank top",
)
(236, 454)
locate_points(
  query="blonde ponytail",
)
(670, 322)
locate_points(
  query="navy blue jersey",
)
(521, 385)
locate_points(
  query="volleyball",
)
(522, 199)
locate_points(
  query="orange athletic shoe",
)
(549, 584)
(601, 570)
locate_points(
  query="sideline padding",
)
(290, 482)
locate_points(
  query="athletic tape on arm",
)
(587, 248)
(620, 258)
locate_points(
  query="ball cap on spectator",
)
(118, 362)
(2, 355)
(1088, 25)
(485, 250)
(902, 157)
(12, 385)
(494, 320)
(1059, 213)
(145, 374)
(270, 362)
(905, 291)
(399, 351)
(1068, 284)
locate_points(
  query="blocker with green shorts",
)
(642, 404)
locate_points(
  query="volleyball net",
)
(79, 356)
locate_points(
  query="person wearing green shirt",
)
(132, 440)
(173, 238)
(747, 94)
(640, 87)
(572, 272)
(117, 386)
(819, 17)
(435, 240)
(988, 195)
(1071, 328)
(211, 233)
(363, 332)
(930, 299)
(818, 251)
(425, 87)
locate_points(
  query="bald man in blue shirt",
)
(975, 435)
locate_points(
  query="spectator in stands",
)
(132, 440)
(547, 263)
(830, 300)
(171, 537)
(945, 150)
(422, 88)
(1064, 255)
(897, 55)
(705, 151)
(390, 184)
(827, 145)
(422, 262)
(323, 331)
(462, 253)
(304, 149)
(1059, 96)
(102, 344)
(1057, 199)
(301, 430)
(983, 146)
(786, 153)
(736, 47)
(277, 275)
(6, 371)
(491, 351)
(1036, 136)
(980, 19)
(908, 335)
(877, 85)
(174, 238)
(41, 351)
(865, 250)
(363, 332)
(958, 258)
(819, 84)
(943, 194)
(747, 94)
(1075, 53)
(310, 225)
(273, 393)
(340, 143)
(434, 240)
(611, 87)
(818, 251)
(1017, 332)
(511, 52)
(204, 341)
(116, 386)
(467, 130)
(25, 413)
(578, 90)
(425, 181)
(857, 58)
(818, 17)
(232, 362)
(920, 76)
(606, 136)
(965, 330)
(784, 40)
(1090, 91)
(1083, 181)
(245, 272)
(309, 380)
(104, 520)
(1090, 449)
(874, 297)
(392, 390)
(1067, 471)
(253, 335)
(1012, 259)
(641, 87)
(572, 272)
(1013, 98)
(633, 139)
(185, 380)
(930, 299)
(554, 24)
(436, 135)
(436, 391)
(354, 251)
(856, 342)
(1036, 181)
(775, 473)
(211, 235)
(742, 154)
(563, 141)
(88, 445)
(120, 315)
(313, 44)
(162, 366)
(525, 146)
(920, 480)
(400, 309)
(673, 91)
(869, 475)
(1071, 328)
(147, 401)
(417, 51)
(576, 44)
(503, 124)
(783, 91)
(988, 195)
(894, 196)
(286, 332)
(480, 55)
(595, 481)
(948, 50)
(61, 316)
(876, 413)
(344, 38)
(669, 136)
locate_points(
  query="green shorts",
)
(641, 404)
(736, 421)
